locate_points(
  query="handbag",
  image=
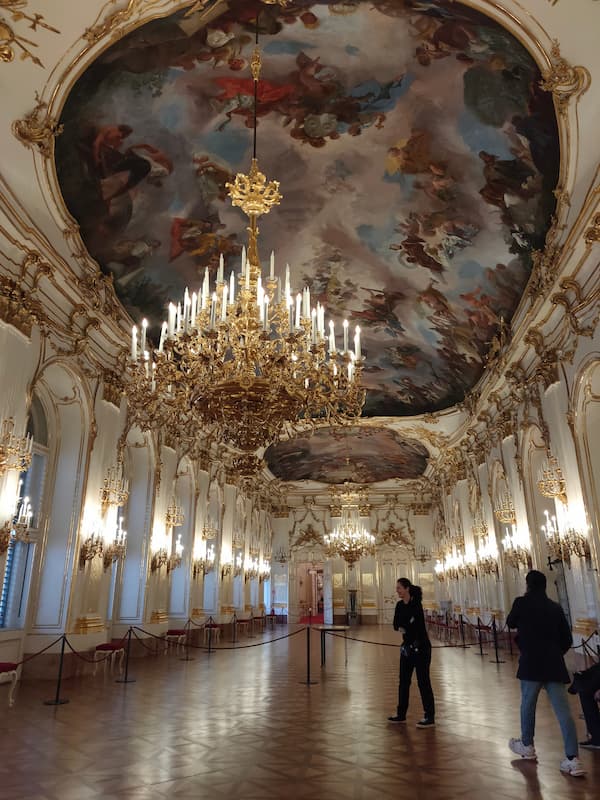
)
(587, 680)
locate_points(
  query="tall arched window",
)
(19, 557)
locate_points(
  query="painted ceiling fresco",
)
(354, 454)
(417, 156)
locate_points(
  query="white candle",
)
(331, 336)
(350, 371)
(247, 275)
(144, 329)
(232, 288)
(357, 350)
(146, 357)
(178, 318)
(272, 266)
(163, 332)
(224, 304)
(213, 310)
(259, 291)
(290, 305)
(345, 336)
(266, 314)
(298, 302)
(171, 319)
(287, 280)
(307, 302)
(153, 377)
(186, 311)
(194, 309)
(243, 259)
(313, 325)
(134, 343)
(221, 268)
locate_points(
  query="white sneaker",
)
(572, 766)
(526, 751)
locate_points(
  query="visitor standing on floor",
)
(415, 653)
(543, 638)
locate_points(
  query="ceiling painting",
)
(354, 454)
(417, 156)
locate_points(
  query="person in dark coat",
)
(587, 685)
(543, 637)
(415, 653)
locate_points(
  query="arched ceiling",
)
(417, 155)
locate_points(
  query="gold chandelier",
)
(115, 487)
(15, 451)
(505, 509)
(350, 540)
(551, 482)
(245, 361)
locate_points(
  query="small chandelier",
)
(516, 551)
(350, 540)
(487, 556)
(174, 517)
(246, 361)
(551, 482)
(423, 554)
(281, 555)
(209, 530)
(505, 509)
(252, 572)
(562, 544)
(203, 564)
(115, 488)
(117, 548)
(15, 451)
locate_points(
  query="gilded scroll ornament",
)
(562, 79)
(17, 308)
(10, 40)
(593, 233)
(117, 18)
(37, 130)
(571, 298)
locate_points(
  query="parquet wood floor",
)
(244, 724)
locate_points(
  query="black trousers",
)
(420, 663)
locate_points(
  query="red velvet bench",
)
(175, 636)
(109, 651)
(8, 672)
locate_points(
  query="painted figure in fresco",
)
(415, 653)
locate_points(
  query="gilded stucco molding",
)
(116, 19)
(37, 130)
(17, 308)
(34, 268)
(11, 40)
(574, 302)
(564, 80)
(592, 234)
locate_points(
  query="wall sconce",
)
(516, 553)
(281, 556)
(264, 572)
(5, 536)
(15, 451)
(226, 569)
(563, 545)
(175, 560)
(422, 554)
(90, 548)
(252, 572)
(159, 559)
(117, 548)
(239, 566)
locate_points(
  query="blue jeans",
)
(557, 693)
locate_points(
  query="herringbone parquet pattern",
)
(244, 724)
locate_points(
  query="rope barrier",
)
(39, 653)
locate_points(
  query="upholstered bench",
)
(243, 625)
(212, 632)
(176, 636)
(109, 651)
(8, 672)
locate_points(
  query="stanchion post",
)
(510, 641)
(210, 632)
(495, 635)
(481, 653)
(58, 700)
(234, 623)
(188, 641)
(126, 678)
(308, 681)
(462, 631)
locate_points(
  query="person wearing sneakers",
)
(415, 653)
(543, 638)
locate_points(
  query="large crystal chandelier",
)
(246, 360)
(350, 540)
(551, 482)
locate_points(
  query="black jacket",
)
(410, 617)
(543, 638)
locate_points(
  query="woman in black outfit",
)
(415, 653)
